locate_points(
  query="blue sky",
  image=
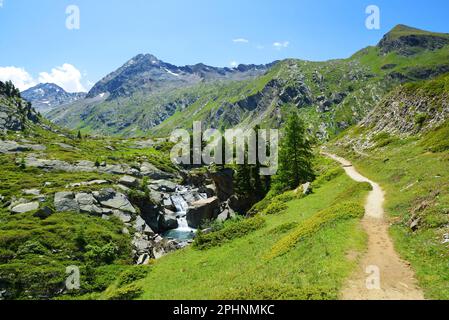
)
(34, 38)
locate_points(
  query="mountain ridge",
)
(332, 94)
(47, 96)
(147, 72)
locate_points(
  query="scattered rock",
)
(14, 147)
(124, 217)
(156, 197)
(122, 188)
(129, 181)
(144, 259)
(25, 207)
(149, 170)
(87, 183)
(415, 224)
(87, 203)
(168, 204)
(159, 252)
(115, 200)
(225, 215)
(65, 202)
(141, 226)
(446, 238)
(144, 144)
(44, 213)
(210, 190)
(66, 146)
(163, 185)
(307, 188)
(32, 192)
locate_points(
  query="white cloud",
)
(21, 79)
(280, 45)
(234, 64)
(240, 40)
(66, 76)
(260, 47)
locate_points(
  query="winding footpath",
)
(382, 274)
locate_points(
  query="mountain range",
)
(147, 95)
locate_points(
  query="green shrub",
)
(353, 191)
(101, 255)
(283, 228)
(269, 200)
(420, 118)
(32, 247)
(232, 231)
(276, 207)
(335, 213)
(128, 292)
(437, 140)
(25, 280)
(279, 291)
(383, 139)
(132, 274)
(327, 176)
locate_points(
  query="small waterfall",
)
(183, 232)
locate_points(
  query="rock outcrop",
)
(202, 211)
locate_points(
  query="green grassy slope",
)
(35, 252)
(414, 173)
(312, 266)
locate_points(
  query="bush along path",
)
(382, 274)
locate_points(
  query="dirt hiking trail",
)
(382, 274)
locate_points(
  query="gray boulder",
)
(156, 197)
(129, 181)
(87, 203)
(65, 202)
(149, 170)
(168, 204)
(13, 147)
(225, 215)
(141, 226)
(143, 259)
(32, 192)
(203, 210)
(307, 188)
(163, 185)
(43, 213)
(168, 221)
(123, 216)
(25, 207)
(141, 245)
(115, 200)
(224, 184)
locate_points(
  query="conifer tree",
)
(295, 156)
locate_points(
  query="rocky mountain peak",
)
(408, 41)
(47, 96)
(146, 73)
